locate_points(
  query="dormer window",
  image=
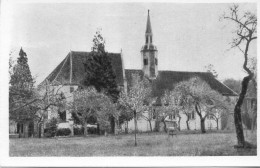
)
(145, 61)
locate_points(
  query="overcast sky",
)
(188, 36)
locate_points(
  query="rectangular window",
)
(192, 115)
(156, 61)
(145, 61)
(62, 116)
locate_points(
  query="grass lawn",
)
(153, 144)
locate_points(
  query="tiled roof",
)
(167, 79)
(64, 74)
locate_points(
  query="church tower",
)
(149, 53)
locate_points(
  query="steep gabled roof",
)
(71, 69)
(167, 79)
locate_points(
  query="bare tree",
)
(149, 111)
(185, 103)
(135, 97)
(203, 98)
(42, 99)
(169, 107)
(246, 33)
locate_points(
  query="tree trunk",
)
(157, 125)
(135, 119)
(164, 126)
(85, 129)
(237, 113)
(202, 119)
(187, 123)
(112, 124)
(202, 125)
(150, 125)
(126, 127)
(217, 123)
(20, 131)
(179, 123)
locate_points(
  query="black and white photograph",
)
(144, 79)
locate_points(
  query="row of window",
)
(190, 115)
(146, 61)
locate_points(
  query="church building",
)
(70, 72)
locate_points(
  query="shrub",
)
(92, 130)
(63, 132)
(78, 131)
(51, 128)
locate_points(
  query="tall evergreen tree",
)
(99, 72)
(21, 77)
(20, 88)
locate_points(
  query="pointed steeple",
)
(149, 52)
(148, 24)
